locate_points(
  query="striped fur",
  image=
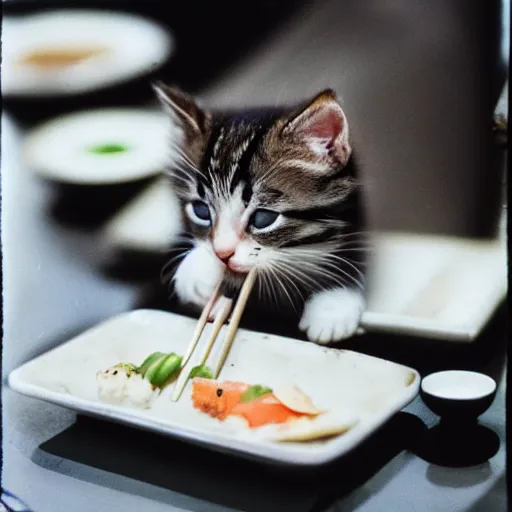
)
(297, 162)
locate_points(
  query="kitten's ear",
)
(322, 125)
(183, 109)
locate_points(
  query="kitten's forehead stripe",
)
(209, 151)
(218, 142)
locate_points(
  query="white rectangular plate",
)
(337, 380)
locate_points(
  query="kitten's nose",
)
(224, 255)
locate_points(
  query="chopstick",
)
(217, 325)
(201, 323)
(235, 319)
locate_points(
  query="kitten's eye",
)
(263, 218)
(199, 212)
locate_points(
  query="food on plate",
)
(137, 385)
(257, 404)
(254, 392)
(155, 356)
(264, 410)
(309, 428)
(296, 400)
(215, 398)
(160, 368)
(201, 371)
(285, 413)
(122, 383)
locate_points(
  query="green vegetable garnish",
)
(255, 392)
(143, 368)
(129, 367)
(201, 371)
(108, 149)
(163, 369)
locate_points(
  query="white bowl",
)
(101, 147)
(69, 52)
(458, 394)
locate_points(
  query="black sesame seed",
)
(219, 392)
(115, 372)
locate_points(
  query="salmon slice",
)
(222, 399)
(217, 399)
(264, 411)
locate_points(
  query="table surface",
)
(49, 273)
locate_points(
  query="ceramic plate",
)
(104, 146)
(345, 382)
(75, 51)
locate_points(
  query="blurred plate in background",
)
(148, 223)
(104, 146)
(68, 52)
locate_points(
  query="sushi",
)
(258, 405)
(125, 383)
(122, 384)
(282, 415)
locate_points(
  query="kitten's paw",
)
(197, 276)
(332, 315)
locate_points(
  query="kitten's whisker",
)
(174, 175)
(268, 287)
(276, 275)
(272, 289)
(284, 273)
(323, 257)
(176, 147)
(318, 269)
(348, 262)
(298, 271)
(165, 273)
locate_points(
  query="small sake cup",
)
(457, 395)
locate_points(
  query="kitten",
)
(276, 189)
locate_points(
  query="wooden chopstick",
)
(201, 323)
(217, 325)
(235, 319)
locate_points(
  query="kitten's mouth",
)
(237, 268)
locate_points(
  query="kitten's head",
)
(262, 188)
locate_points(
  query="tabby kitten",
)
(277, 190)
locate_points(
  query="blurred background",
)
(86, 142)
(418, 80)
